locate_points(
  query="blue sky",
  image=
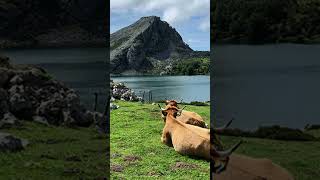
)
(189, 17)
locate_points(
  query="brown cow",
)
(246, 168)
(190, 140)
(187, 117)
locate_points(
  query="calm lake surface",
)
(187, 88)
(267, 85)
(82, 69)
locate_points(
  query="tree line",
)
(265, 21)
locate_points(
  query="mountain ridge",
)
(141, 45)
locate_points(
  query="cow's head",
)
(174, 110)
(171, 103)
(220, 158)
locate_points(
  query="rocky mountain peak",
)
(137, 46)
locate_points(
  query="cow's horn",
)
(160, 107)
(182, 108)
(220, 129)
(228, 152)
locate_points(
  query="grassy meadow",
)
(56, 153)
(136, 149)
(137, 152)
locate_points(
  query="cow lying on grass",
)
(187, 117)
(195, 141)
(246, 168)
(191, 140)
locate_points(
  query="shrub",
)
(272, 132)
(312, 127)
(197, 103)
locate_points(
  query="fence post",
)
(143, 95)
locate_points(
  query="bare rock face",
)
(134, 47)
(29, 93)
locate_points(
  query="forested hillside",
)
(266, 21)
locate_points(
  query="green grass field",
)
(56, 153)
(137, 152)
(136, 149)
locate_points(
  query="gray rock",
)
(40, 119)
(52, 110)
(67, 119)
(16, 80)
(4, 62)
(9, 143)
(4, 77)
(82, 118)
(21, 106)
(4, 107)
(120, 91)
(113, 106)
(8, 120)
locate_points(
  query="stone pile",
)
(121, 92)
(29, 93)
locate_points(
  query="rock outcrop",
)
(121, 92)
(29, 93)
(149, 39)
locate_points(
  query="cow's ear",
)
(167, 102)
(164, 112)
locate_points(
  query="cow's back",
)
(246, 168)
(192, 118)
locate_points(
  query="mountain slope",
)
(138, 46)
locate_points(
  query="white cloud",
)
(205, 24)
(172, 11)
(194, 41)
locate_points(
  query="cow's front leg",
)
(166, 138)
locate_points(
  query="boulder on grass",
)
(9, 143)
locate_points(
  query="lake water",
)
(258, 85)
(82, 69)
(267, 84)
(187, 88)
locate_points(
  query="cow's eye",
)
(164, 113)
